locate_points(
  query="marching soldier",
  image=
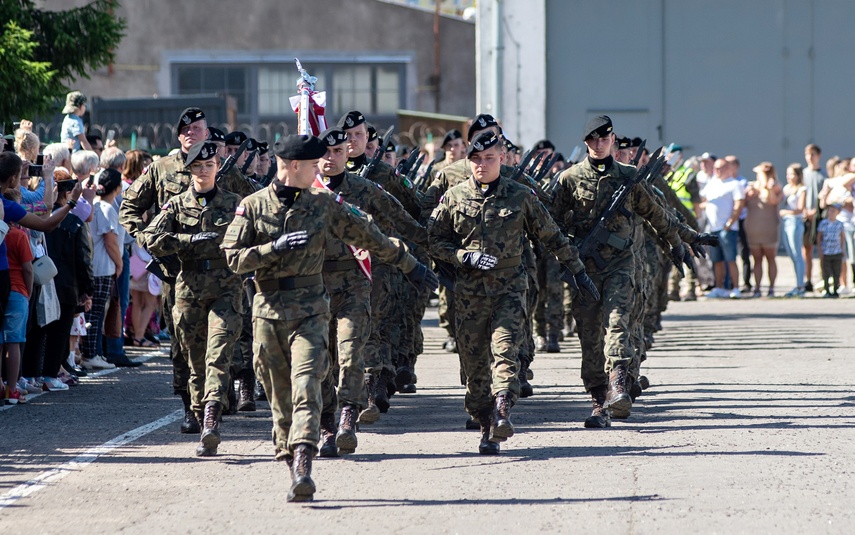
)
(281, 233)
(347, 278)
(207, 311)
(583, 192)
(164, 179)
(480, 227)
(454, 147)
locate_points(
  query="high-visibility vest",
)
(678, 180)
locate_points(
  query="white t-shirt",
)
(105, 219)
(721, 196)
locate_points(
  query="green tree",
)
(41, 52)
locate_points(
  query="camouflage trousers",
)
(526, 349)
(639, 307)
(446, 310)
(489, 332)
(180, 367)
(291, 359)
(242, 359)
(548, 311)
(207, 330)
(605, 326)
(350, 326)
(385, 323)
(413, 302)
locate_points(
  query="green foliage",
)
(41, 52)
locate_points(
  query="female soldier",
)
(207, 308)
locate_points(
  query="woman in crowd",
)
(762, 224)
(793, 214)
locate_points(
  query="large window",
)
(208, 79)
(262, 90)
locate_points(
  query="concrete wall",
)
(158, 28)
(758, 79)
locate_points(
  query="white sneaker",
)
(97, 363)
(52, 384)
(735, 294)
(28, 387)
(844, 290)
(717, 293)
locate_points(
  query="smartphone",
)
(65, 185)
(111, 135)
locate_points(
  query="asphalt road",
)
(748, 427)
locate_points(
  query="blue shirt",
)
(72, 126)
(830, 231)
(12, 213)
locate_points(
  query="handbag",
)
(47, 307)
(44, 270)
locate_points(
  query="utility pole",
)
(436, 69)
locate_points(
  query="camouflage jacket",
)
(497, 224)
(165, 178)
(384, 174)
(170, 232)
(262, 217)
(384, 210)
(582, 194)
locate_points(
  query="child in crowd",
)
(830, 235)
(20, 258)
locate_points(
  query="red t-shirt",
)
(18, 252)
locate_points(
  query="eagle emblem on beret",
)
(595, 134)
(330, 139)
(482, 122)
(348, 121)
(185, 119)
(477, 146)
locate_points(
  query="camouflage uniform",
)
(604, 327)
(165, 178)
(350, 291)
(207, 311)
(291, 309)
(490, 306)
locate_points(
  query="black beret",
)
(560, 157)
(636, 142)
(481, 122)
(544, 144)
(372, 132)
(482, 142)
(624, 143)
(299, 147)
(390, 147)
(253, 144)
(263, 147)
(333, 136)
(351, 119)
(509, 145)
(216, 135)
(204, 150)
(190, 115)
(597, 127)
(236, 139)
(450, 136)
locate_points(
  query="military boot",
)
(691, 295)
(450, 345)
(472, 424)
(210, 438)
(381, 393)
(635, 390)
(302, 487)
(403, 377)
(599, 418)
(260, 394)
(552, 344)
(674, 295)
(190, 425)
(525, 387)
(618, 401)
(371, 413)
(540, 343)
(502, 428)
(232, 398)
(487, 446)
(328, 431)
(345, 439)
(246, 398)
(643, 382)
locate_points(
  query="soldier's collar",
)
(357, 163)
(287, 194)
(601, 166)
(333, 182)
(204, 198)
(485, 189)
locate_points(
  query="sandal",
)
(143, 342)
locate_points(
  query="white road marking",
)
(50, 476)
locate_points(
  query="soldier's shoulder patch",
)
(339, 199)
(165, 207)
(378, 186)
(532, 191)
(240, 210)
(442, 198)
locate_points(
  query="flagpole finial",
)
(305, 78)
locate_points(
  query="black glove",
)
(203, 236)
(292, 240)
(682, 255)
(704, 239)
(423, 278)
(479, 260)
(580, 281)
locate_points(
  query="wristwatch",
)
(72, 203)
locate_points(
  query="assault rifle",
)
(230, 162)
(404, 165)
(378, 154)
(409, 179)
(600, 234)
(520, 168)
(424, 180)
(635, 160)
